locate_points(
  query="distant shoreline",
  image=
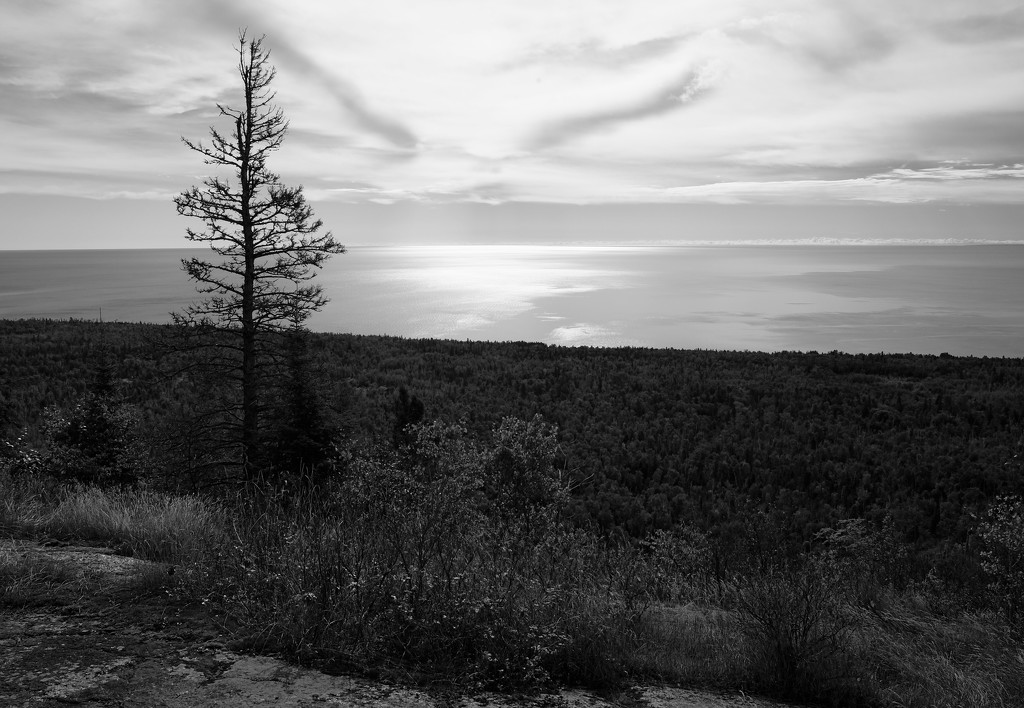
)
(625, 348)
(608, 245)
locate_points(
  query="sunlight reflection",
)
(458, 291)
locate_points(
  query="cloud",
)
(949, 181)
(235, 17)
(353, 192)
(960, 171)
(28, 106)
(600, 53)
(347, 95)
(317, 139)
(673, 96)
(833, 41)
(89, 184)
(981, 134)
(982, 28)
(448, 101)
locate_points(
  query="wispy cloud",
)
(601, 53)
(673, 96)
(952, 170)
(983, 27)
(232, 16)
(833, 41)
(825, 101)
(951, 181)
(346, 95)
(993, 131)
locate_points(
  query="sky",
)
(534, 120)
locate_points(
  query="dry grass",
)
(29, 578)
(903, 657)
(149, 525)
(152, 578)
(24, 502)
(693, 646)
(145, 524)
(917, 660)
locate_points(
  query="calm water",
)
(925, 299)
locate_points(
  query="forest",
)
(651, 439)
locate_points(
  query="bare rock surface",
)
(99, 641)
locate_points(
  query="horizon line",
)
(610, 245)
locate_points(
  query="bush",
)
(1002, 539)
(430, 562)
(800, 630)
(94, 441)
(865, 563)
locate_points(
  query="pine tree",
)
(301, 439)
(408, 412)
(270, 244)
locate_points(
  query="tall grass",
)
(147, 524)
(802, 634)
(30, 578)
(25, 501)
(150, 525)
(693, 645)
(909, 658)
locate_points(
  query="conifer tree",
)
(408, 412)
(269, 244)
(300, 441)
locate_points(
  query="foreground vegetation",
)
(830, 528)
(399, 574)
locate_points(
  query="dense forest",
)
(652, 439)
(829, 527)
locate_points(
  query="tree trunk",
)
(250, 402)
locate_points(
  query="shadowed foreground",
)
(83, 625)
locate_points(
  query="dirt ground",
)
(95, 629)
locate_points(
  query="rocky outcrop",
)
(103, 634)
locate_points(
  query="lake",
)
(962, 299)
